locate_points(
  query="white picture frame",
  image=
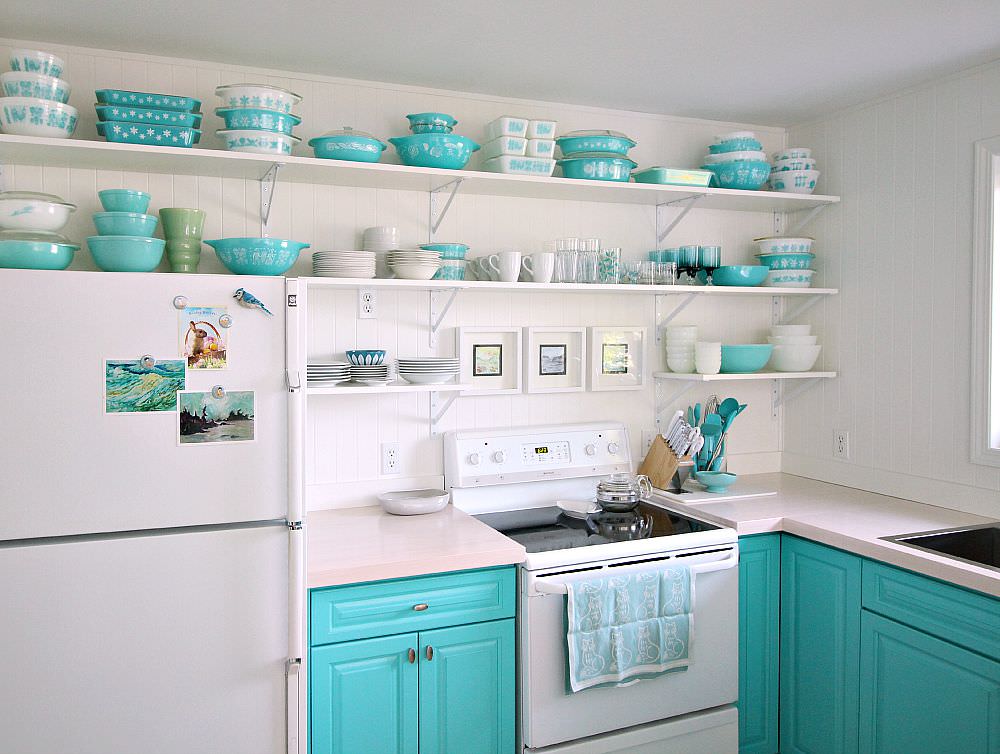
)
(489, 359)
(617, 358)
(555, 359)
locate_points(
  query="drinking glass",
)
(687, 261)
(630, 272)
(709, 259)
(611, 264)
(587, 267)
(565, 267)
(667, 273)
(648, 272)
(590, 244)
(568, 244)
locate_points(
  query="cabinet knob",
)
(430, 652)
(412, 656)
(421, 607)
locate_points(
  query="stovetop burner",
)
(549, 528)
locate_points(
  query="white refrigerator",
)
(150, 590)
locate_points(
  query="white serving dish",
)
(741, 156)
(28, 210)
(794, 181)
(794, 358)
(541, 148)
(507, 125)
(799, 163)
(792, 153)
(784, 245)
(541, 129)
(520, 165)
(36, 61)
(257, 95)
(513, 145)
(58, 121)
(413, 502)
(791, 329)
(789, 278)
(792, 340)
(427, 378)
(414, 271)
(257, 142)
(733, 135)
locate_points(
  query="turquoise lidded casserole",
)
(348, 144)
(434, 150)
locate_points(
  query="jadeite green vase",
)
(182, 228)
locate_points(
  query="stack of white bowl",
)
(429, 370)
(381, 239)
(414, 264)
(794, 171)
(370, 374)
(795, 350)
(34, 97)
(681, 341)
(330, 373)
(707, 357)
(344, 264)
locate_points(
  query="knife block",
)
(665, 470)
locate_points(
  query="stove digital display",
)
(540, 451)
(556, 452)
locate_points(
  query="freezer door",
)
(70, 468)
(158, 644)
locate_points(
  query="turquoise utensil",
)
(697, 414)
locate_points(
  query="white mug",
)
(540, 266)
(506, 265)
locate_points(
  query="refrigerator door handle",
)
(296, 401)
(296, 639)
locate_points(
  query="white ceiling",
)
(774, 62)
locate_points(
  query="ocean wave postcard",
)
(204, 341)
(204, 419)
(132, 386)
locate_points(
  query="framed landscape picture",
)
(490, 359)
(555, 359)
(617, 358)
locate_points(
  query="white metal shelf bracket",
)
(687, 202)
(799, 309)
(661, 403)
(268, 184)
(438, 405)
(780, 395)
(436, 216)
(439, 304)
(805, 220)
(663, 318)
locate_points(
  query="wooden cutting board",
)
(660, 464)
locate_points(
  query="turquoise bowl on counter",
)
(146, 133)
(347, 144)
(434, 150)
(745, 359)
(35, 250)
(124, 200)
(126, 253)
(38, 85)
(715, 481)
(740, 274)
(431, 123)
(125, 224)
(257, 256)
(787, 261)
(576, 143)
(597, 167)
(148, 115)
(147, 99)
(258, 119)
(748, 175)
(448, 250)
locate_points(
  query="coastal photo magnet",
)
(204, 341)
(142, 386)
(204, 418)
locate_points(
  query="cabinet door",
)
(760, 585)
(820, 643)
(467, 689)
(363, 697)
(922, 695)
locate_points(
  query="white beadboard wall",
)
(899, 246)
(344, 434)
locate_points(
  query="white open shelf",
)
(752, 376)
(394, 387)
(101, 155)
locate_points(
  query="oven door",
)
(551, 714)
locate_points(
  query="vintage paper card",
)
(134, 386)
(204, 341)
(204, 418)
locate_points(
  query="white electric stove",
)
(512, 479)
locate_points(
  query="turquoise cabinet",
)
(923, 695)
(467, 689)
(760, 586)
(820, 645)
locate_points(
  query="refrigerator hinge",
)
(292, 664)
(292, 384)
(293, 525)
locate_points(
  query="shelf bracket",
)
(781, 395)
(268, 184)
(799, 309)
(797, 228)
(662, 403)
(439, 304)
(438, 405)
(435, 217)
(687, 203)
(664, 318)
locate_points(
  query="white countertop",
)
(352, 545)
(849, 519)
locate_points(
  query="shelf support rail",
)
(780, 395)
(661, 403)
(436, 217)
(268, 184)
(436, 312)
(687, 203)
(663, 318)
(804, 221)
(799, 309)
(438, 405)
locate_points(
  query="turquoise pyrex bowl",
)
(431, 122)
(35, 250)
(792, 261)
(348, 144)
(745, 174)
(146, 133)
(448, 250)
(124, 200)
(577, 142)
(715, 481)
(451, 269)
(38, 85)
(148, 99)
(126, 253)
(744, 359)
(258, 119)
(735, 145)
(257, 256)
(148, 115)
(597, 167)
(448, 151)
(739, 274)
(366, 357)
(125, 224)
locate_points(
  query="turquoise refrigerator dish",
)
(144, 133)
(348, 144)
(126, 253)
(582, 142)
(745, 359)
(597, 167)
(673, 176)
(258, 119)
(434, 150)
(747, 175)
(257, 256)
(148, 115)
(35, 250)
(148, 99)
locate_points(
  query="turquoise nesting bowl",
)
(745, 359)
(126, 253)
(448, 250)
(787, 261)
(125, 224)
(740, 274)
(434, 150)
(124, 200)
(258, 119)
(257, 256)
(368, 357)
(748, 175)
(715, 481)
(431, 122)
(735, 145)
(36, 255)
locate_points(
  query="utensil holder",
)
(684, 469)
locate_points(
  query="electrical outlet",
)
(390, 458)
(366, 303)
(841, 444)
(648, 435)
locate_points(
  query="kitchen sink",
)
(979, 545)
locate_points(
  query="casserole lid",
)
(35, 236)
(598, 132)
(225, 87)
(348, 131)
(35, 196)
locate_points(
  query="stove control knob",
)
(613, 448)
(499, 456)
(590, 449)
(474, 459)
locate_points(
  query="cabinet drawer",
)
(382, 608)
(954, 614)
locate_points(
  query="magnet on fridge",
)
(180, 302)
(250, 301)
(226, 321)
(147, 361)
(218, 392)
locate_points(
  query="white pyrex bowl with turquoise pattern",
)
(30, 116)
(257, 95)
(795, 181)
(30, 210)
(784, 244)
(37, 85)
(36, 61)
(258, 142)
(789, 278)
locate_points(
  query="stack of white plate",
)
(344, 264)
(414, 264)
(374, 374)
(428, 371)
(328, 372)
